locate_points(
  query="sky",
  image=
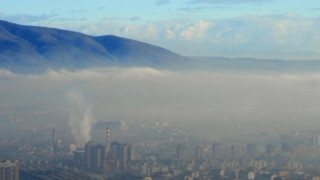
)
(281, 29)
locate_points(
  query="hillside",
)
(33, 49)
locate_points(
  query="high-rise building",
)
(285, 148)
(315, 141)
(88, 154)
(126, 157)
(217, 150)
(113, 162)
(9, 170)
(95, 155)
(54, 141)
(270, 149)
(80, 158)
(98, 156)
(181, 152)
(120, 156)
(199, 152)
(252, 149)
(130, 153)
(237, 150)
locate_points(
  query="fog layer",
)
(150, 94)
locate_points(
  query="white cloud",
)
(286, 30)
(255, 36)
(148, 31)
(197, 30)
(135, 18)
(170, 34)
(27, 18)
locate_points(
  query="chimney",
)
(108, 142)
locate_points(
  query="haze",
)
(148, 94)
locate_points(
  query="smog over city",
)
(160, 89)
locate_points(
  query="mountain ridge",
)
(33, 48)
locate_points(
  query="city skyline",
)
(160, 89)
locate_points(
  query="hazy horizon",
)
(189, 98)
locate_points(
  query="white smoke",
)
(80, 119)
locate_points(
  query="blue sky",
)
(286, 29)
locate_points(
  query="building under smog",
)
(9, 170)
(108, 157)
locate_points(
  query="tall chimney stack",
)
(108, 142)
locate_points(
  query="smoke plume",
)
(80, 119)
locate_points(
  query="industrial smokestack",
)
(108, 142)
